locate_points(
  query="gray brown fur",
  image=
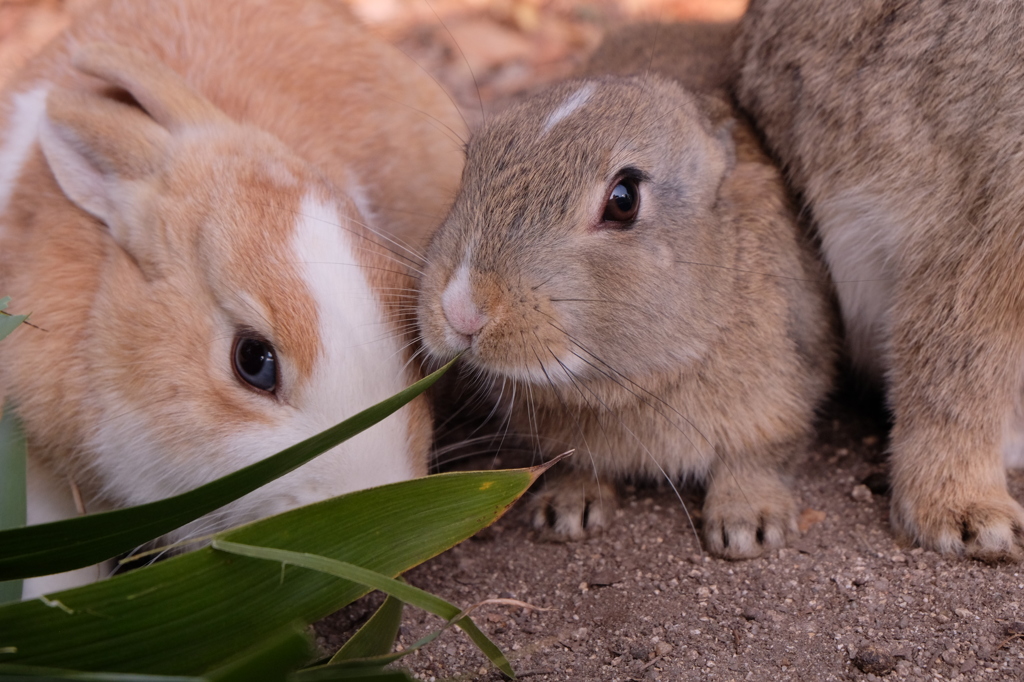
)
(697, 344)
(902, 125)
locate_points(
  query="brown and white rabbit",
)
(190, 199)
(622, 262)
(901, 125)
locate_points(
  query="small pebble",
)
(861, 493)
(874, 660)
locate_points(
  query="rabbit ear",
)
(161, 92)
(104, 154)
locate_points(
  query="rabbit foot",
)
(987, 526)
(744, 516)
(571, 505)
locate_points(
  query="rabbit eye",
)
(623, 201)
(256, 363)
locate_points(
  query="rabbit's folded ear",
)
(103, 155)
(159, 90)
(105, 152)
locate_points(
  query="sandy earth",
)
(642, 601)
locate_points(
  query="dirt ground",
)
(642, 601)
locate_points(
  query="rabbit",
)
(213, 212)
(899, 124)
(622, 264)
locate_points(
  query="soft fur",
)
(901, 125)
(697, 342)
(180, 172)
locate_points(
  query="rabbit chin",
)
(138, 459)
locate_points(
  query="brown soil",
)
(642, 601)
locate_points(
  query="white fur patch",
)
(27, 110)
(360, 363)
(571, 104)
(859, 237)
(49, 499)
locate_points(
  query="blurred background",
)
(477, 48)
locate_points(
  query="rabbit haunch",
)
(185, 216)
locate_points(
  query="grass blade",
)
(377, 635)
(13, 464)
(339, 674)
(8, 322)
(86, 540)
(396, 588)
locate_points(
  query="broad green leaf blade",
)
(396, 588)
(377, 635)
(12, 486)
(18, 673)
(269, 661)
(86, 540)
(188, 614)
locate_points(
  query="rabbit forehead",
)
(232, 213)
(538, 155)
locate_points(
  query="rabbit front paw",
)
(573, 504)
(746, 515)
(984, 524)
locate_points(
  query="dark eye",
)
(256, 363)
(623, 201)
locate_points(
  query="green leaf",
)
(269, 661)
(377, 635)
(191, 613)
(396, 588)
(12, 486)
(8, 322)
(86, 540)
(24, 673)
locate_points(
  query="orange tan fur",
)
(220, 127)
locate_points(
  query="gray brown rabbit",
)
(902, 126)
(623, 265)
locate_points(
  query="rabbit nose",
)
(463, 315)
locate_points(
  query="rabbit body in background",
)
(901, 126)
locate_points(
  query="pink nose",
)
(463, 315)
(461, 312)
